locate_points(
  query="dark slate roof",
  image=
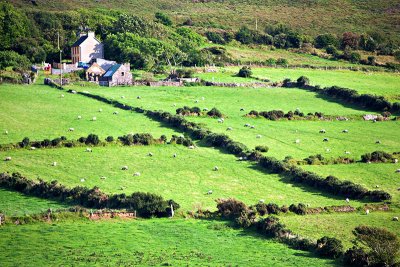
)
(80, 40)
(112, 70)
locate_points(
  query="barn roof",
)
(112, 70)
(80, 41)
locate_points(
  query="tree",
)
(13, 25)
(383, 245)
(245, 72)
(397, 55)
(163, 19)
(325, 40)
(244, 35)
(13, 60)
(350, 39)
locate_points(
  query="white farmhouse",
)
(86, 48)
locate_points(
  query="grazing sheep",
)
(216, 168)
(7, 159)
(138, 97)
(347, 152)
(62, 96)
(347, 200)
(79, 117)
(122, 97)
(103, 177)
(220, 121)
(345, 131)
(242, 109)
(71, 129)
(366, 212)
(377, 142)
(398, 171)
(261, 201)
(328, 150)
(297, 141)
(396, 219)
(203, 98)
(136, 174)
(150, 154)
(240, 158)
(82, 180)
(322, 131)
(32, 148)
(247, 125)
(395, 161)
(196, 101)
(5, 132)
(325, 140)
(94, 119)
(258, 136)
(174, 155)
(209, 192)
(191, 147)
(54, 164)
(174, 105)
(88, 150)
(205, 109)
(115, 112)
(124, 168)
(74, 92)
(377, 186)
(252, 127)
(100, 110)
(229, 129)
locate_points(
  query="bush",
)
(110, 139)
(300, 209)
(82, 139)
(271, 227)
(14, 60)
(245, 72)
(214, 112)
(137, 139)
(215, 37)
(262, 209)
(262, 148)
(355, 257)
(45, 143)
(329, 247)
(230, 208)
(92, 139)
(376, 156)
(163, 19)
(56, 142)
(24, 143)
(246, 219)
(383, 245)
(273, 208)
(303, 81)
(282, 61)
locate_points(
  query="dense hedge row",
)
(290, 115)
(330, 184)
(145, 204)
(372, 102)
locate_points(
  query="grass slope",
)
(14, 203)
(145, 243)
(186, 178)
(39, 112)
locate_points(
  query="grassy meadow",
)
(186, 178)
(156, 242)
(39, 112)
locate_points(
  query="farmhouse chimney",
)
(90, 34)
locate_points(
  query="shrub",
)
(82, 139)
(300, 209)
(56, 142)
(273, 208)
(230, 208)
(282, 61)
(262, 148)
(163, 19)
(215, 37)
(254, 155)
(14, 60)
(303, 81)
(109, 139)
(271, 227)
(245, 72)
(92, 139)
(355, 257)
(214, 112)
(262, 209)
(45, 143)
(246, 219)
(329, 247)
(383, 245)
(376, 156)
(137, 139)
(24, 143)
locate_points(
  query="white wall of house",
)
(87, 50)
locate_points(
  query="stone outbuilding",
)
(118, 74)
(94, 73)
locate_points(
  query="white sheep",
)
(322, 131)
(82, 180)
(196, 101)
(88, 150)
(347, 152)
(32, 148)
(261, 201)
(395, 219)
(203, 98)
(124, 168)
(94, 119)
(395, 161)
(62, 96)
(377, 142)
(5, 132)
(174, 155)
(252, 127)
(79, 117)
(345, 131)
(122, 97)
(115, 112)
(74, 92)
(328, 150)
(366, 212)
(191, 147)
(247, 125)
(398, 171)
(103, 177)
(221, 120)
(376, 186)
(54, 164)
(7, 159)
(138, 97)
(209, 192)
(71, 129)
(258, 136)
(100, 110)
(150, 154)
(297, 141)
(136, 174)
(347, 200)
(216, 168)
(325, 140)
(229, 129)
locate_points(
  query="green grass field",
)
(340, 225)
(368, 175)
(39, 112)
(145, 243)
(186, 178)
(14, 203)
(377, 83)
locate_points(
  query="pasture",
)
(185, 179)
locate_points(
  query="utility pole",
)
(58, 35)
(256, 24)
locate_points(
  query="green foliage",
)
(262, 148)
(163, 19)
(303, 81)
(11, 59)
(383, 246)
(230, 208)
(245, 72)
(326, 40)
(329, 247)
(24, 143)
(214, 112)
(13, 25)
(92, 139)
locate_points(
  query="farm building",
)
(86, 48)
(94, 73)
(118, 74)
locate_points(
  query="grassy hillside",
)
(310, 16)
